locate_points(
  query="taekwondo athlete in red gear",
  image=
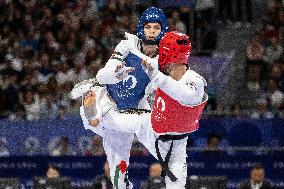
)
(179, 102)
(125, 82)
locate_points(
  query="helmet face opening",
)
(152, 15)
(174, 48)
(152, 30)
(183, 41)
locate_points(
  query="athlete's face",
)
(152, 30)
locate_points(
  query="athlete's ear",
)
(187, 66)
(167, 70)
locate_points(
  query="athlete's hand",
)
(122, 71)
(150, 70)
(147, 65)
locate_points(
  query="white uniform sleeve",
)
(189, 90)
(107, 75)
(149, 97)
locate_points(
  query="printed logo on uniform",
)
(126, 82)
(161, 107)
(161, 101)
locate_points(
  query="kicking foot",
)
(89, 103)
(89, 99)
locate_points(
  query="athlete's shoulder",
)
(129, 39)
(194, 76)
(122, 45)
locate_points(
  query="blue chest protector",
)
(128, 93)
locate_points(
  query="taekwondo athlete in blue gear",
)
(128, 92)
(125, 82)
(152, 15)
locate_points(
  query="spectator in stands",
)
(212, 103)
(30, 79)
(281, 69)
(275, 71)
(212, 145)
(255, 50)
(256, 179)
(275, 96)
(49, 109)
(208, 40)
(64, 74)
(3, 103)
(225, 13)
(97, 148)
(272, 12)
(94, 67)
(274, 50)
(237, 110)
(155, 181)
(262, 111)
(103, 181)
(207, 12)
(255, 63)
(52, 172)
(205, 22)
(32, 105)
(11, 91)
(240, 13)
(31, 147)
(79, 73)
(61, 112)
(72, 107)
(280, 114)
(171, 24)
(138, 149)
(45, 70)
(62, 98)
(281, 33)
(64, 148)
(254, 77)
(179, 25)
(268, 32)
(3, 148)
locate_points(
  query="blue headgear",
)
(152, 14)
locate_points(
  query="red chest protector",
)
(171, 117)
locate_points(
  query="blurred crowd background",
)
(48, 46)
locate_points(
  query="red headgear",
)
(174, 47)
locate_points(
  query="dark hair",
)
(257, 166)
(213, 135)
(53, 167)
